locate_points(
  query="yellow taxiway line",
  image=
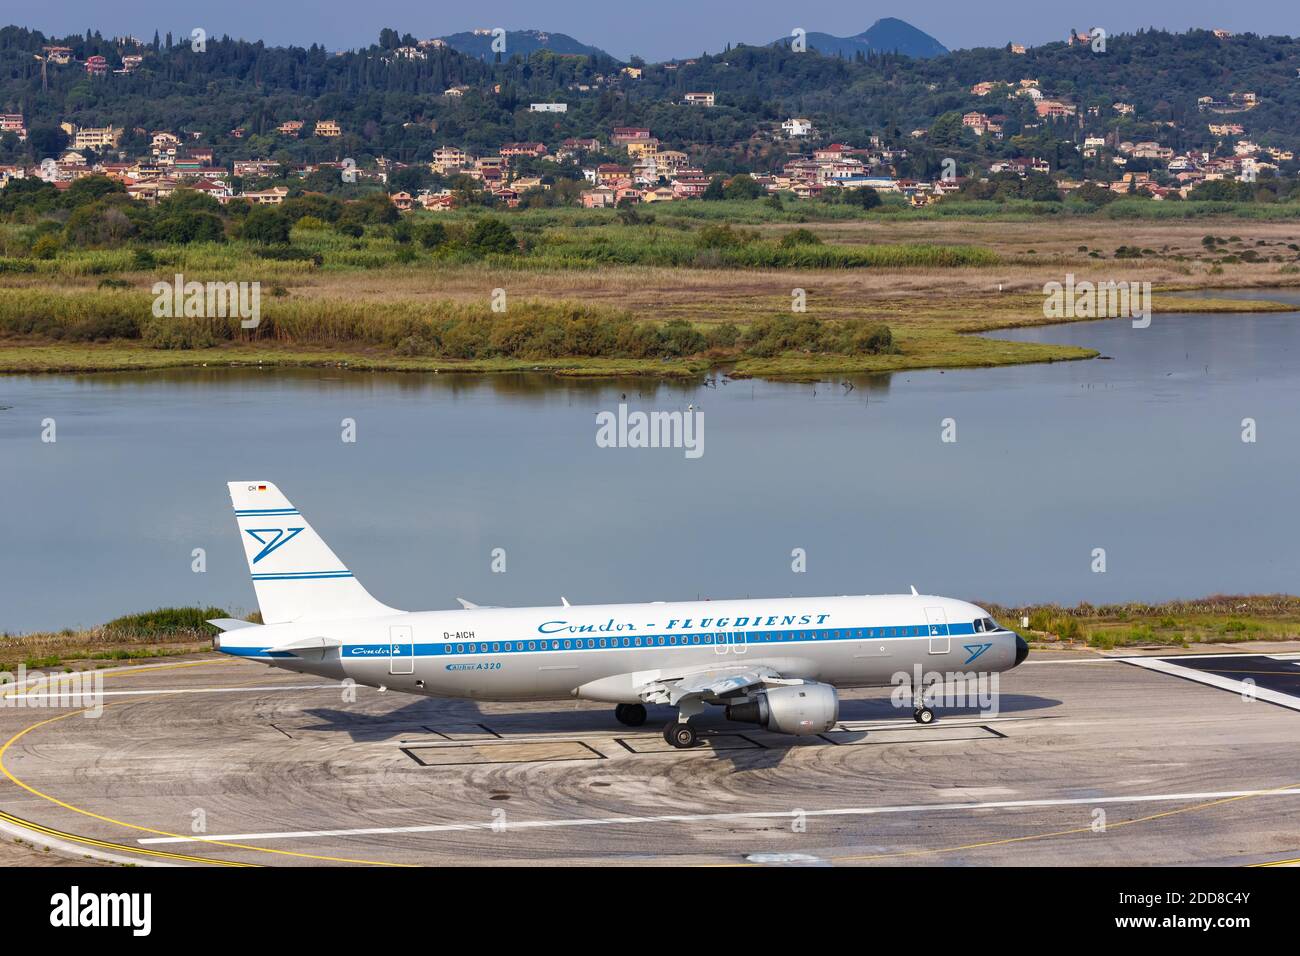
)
(132, 826)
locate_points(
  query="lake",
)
(1140, 455)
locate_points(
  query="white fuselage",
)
(607, 652)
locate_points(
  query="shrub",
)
(289, 254)
(722, 237)
(184, 228)
(266, 225)
(46, 247)
(724, 336)
(184, 333)
(167, 622)
(430, 234)
(800, 237)
(492, 235)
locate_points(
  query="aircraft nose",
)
(1022, 651)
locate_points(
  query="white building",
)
(548, 107)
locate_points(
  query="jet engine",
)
(798, 709)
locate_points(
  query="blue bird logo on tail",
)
(282, 536)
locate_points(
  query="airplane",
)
(774, 663)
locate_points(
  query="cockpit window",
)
(979, 625)
(990, 624)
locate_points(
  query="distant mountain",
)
(478, 44)
(888, 35)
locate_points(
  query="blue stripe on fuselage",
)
(551, 645)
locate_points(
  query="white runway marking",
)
(723, 817)
(177, 690)
(1218, 680)
(1133, 658)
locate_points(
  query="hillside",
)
(887, 35)
(398, 107)
(478, 44)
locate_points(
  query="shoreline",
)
(950, 346)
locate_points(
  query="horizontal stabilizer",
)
(230, 623)
(306, 644)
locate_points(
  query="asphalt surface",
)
(1085, 762)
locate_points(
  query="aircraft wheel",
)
(923, 715)
(630, 715)
(682, 736)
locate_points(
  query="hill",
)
(235, 94)
(887, 35)
(478, 44)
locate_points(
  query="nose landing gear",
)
(920, 713)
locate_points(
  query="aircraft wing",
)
(713, 684)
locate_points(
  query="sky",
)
(668, 28)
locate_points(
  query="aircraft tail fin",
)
(295, 574)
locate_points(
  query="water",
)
(1140, 455)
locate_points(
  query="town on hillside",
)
(620, 166)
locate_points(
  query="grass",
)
(931, 281)
(165, 632)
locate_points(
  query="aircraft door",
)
(937, 620)
(738, 642)
(401, 649)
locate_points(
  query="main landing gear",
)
(630, 715)
(681, 735)
(679, 732)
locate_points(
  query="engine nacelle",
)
(798, 709)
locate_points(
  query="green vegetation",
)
(1219, 619)
(167, 622)
(536, 330)
(95, 228)
(165, 632)
(389, 105)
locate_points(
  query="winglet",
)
(914, 591)
(467, 605)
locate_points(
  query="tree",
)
(492, 235)
(1096, 194)
(863, 196)
(946, 130)
(47, 141)
(742, 186)
(90, 188)
(195, 227)
(266, 225)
